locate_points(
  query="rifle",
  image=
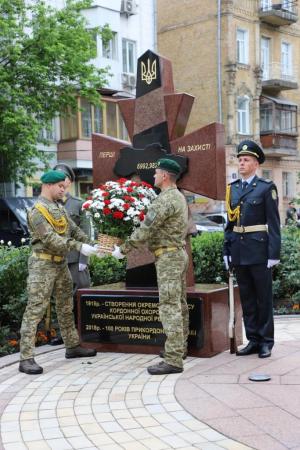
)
(231, 325)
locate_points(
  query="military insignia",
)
(150, 218)
(245, 147)
(274, 194)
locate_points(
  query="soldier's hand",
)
(116, 253)
(272, 262)
(81, 267)
(88, 250)
(227, 261)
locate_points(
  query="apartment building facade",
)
(240, 59)
(133, 25)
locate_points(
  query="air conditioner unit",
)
(128, 80)
(128, 7)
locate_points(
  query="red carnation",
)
(122, 180)
(107, 202)
(118, 215)
(106, 211)
(129, 189)
(128, 198)
(141, 216)
(86, 205)
(126, 206)
(141, 196)
(105, 194)
(133, 184)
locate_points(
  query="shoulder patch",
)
(274, 194)
(265, 180)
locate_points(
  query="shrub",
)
(107, 270)
(286, 284)
(207, 249)
(13, 274)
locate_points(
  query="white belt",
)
(250, 228)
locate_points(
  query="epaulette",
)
(265, 180)
(234, 181)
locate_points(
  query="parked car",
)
(203, 223)
(219, 218)
(13, 219)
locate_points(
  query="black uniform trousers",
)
(255, 283)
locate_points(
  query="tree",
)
(45, 61)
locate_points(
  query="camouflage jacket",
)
(44, 238)
(165, 224)
(73, 207)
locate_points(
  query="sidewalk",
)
(110, 402)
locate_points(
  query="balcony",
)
(278, 145)
(278, 126)
(278, 78)
(278, 13)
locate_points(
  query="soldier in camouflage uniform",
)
(164, 231)
(77, 262)
(53, 235)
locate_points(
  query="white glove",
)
(272, 262)
(227, 260)
(117, 253)
(88, 250)
(82, 267)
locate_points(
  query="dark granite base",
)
(119, 319)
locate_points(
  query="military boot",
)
(163, 368)
(162, 354)
(30, 367)
(80, 352)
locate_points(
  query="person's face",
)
(247, 165)
(57, 190)
(159, 177)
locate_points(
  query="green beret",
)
(53, 176)
(169, 165)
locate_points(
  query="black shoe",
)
(251, 348)
(56, 341)
(80, 352)
(264, 351)
(163, 368)
(30, 367)
(162, 354)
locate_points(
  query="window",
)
(265, 57)
(128, 52)
(266, 117)
(288, 5)
(267, 174)
(266, 5)
(243, 115)
(48, 133)
(277, 117)
(86, 118)
(287, 185)
(98, 119)
(286, 60)
(109, 49)
(68, 123)
(242, 46)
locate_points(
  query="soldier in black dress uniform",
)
(252, 246)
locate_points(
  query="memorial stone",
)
(125, 317)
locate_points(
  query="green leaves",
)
(45, 61)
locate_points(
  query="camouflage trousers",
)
(47, 278)
(171, 270)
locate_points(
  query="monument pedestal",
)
(115, 319)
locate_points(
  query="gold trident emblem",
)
(148, 74)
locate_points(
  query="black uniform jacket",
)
(258, 206)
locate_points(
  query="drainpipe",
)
(219, 63)
(155, 25)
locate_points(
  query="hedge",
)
(208, 268)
